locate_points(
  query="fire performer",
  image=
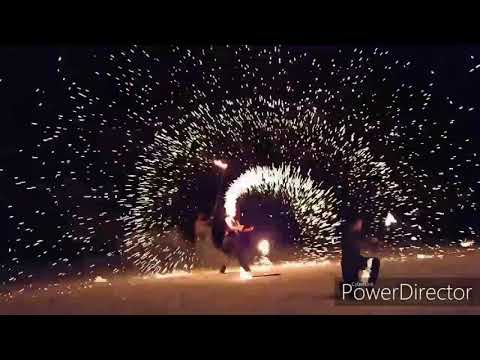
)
(220, 244)
(353, 263)
(236, 243)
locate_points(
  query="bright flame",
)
(220, 164)
(389, 220)
(263, 247)
(245, 275)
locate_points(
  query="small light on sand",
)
(423, 256)
(99, 279)
(173, 274)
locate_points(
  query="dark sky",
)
(25, 68)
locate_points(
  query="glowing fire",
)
(264, 247)
(220, 164)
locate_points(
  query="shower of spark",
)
(117, 172)
(314, 207)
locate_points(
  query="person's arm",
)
(247, 228)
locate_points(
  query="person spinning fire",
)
(236, 242)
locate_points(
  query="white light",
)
(467, 243)
(263, 247)
(390, 220)
(220, 164)
(245, 275)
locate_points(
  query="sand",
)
(299, 289)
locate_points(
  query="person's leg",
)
(374, 271)
(228, 245)
(243, 260)
(223, 269)
(227, 250)
(362, 263)
(225, 260)
(349, 274)
(349, 270)
(246, 254)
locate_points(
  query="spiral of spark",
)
(313, 206)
